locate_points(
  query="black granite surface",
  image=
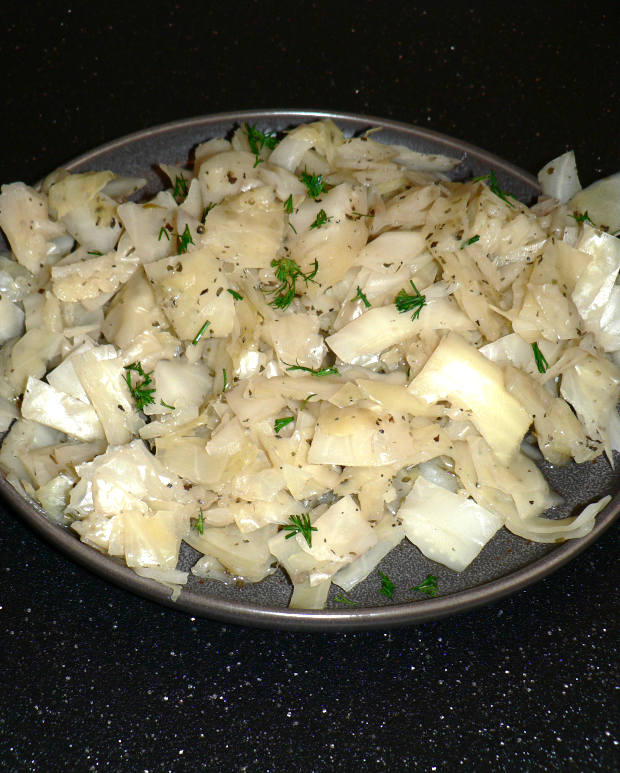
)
(93, 678)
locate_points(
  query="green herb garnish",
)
(315, 185)
(360, 296)
(200, 333)
(539, 357)
(184, 241)
(342, 599)
(579, 218)
(473, 240)
(427, 586)
(320, 219)
(314, 372)
(200, 523)
(95, 252)
(180, 186)
(288, 205)
(257, 140)
(387, 586)
(163, 231)
(166, 405)
(300, 525)
(225, 379)
(141, 391)
(287, 272)
(494, 187)
(406, 302)
(236, 295)
(281, 423)
(305, 402)
(206, 211)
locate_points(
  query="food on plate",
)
(305, 350)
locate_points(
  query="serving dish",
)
(507, 564)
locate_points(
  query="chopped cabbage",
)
(303, 350)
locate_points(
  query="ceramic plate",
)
(506, 564)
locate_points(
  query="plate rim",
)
(241, 613)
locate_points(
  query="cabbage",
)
(25, 221)
(559, 177)
(458, 372)
(601, 201)
(446, 527)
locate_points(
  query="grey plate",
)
(506, 564)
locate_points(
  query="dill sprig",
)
(180, 187)
(141, 391)
(342, 599)
(406, 302)
(387, 586)
(314, 371)
(257, 140)
(320, 219)
(539, 357)
(200, 333)
(473, 240)
(362, 297)
(427, 586)
(300, 524)
(184, 240)
(163, 231)
(287, 272)
(281, 423)
(236, 295)
(206, 211)
(288, 205)
(494, 187)
(315, 184)
(582, 218)
(172, 408)
(200, 523)
(306, 401)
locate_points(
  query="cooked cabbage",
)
(303, 352)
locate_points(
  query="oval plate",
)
(507, 564)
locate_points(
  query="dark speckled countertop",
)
(96, 679)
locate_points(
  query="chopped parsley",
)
(141, 391)
(287, 272)
(387, 586)
(473, 240)
(257, 140)
(320, 219)
(427, 586)
(300, 524)
(236, 295)
(539, 357)
(314, 371)
(225, 379)
(95, 252)
(281, 423)
(406, 302)
(315, 184)
(184, 240)
(200, 333)
(361, 297)
(180, 187)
